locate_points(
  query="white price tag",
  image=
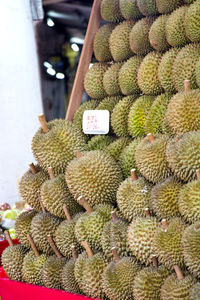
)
(96, 121)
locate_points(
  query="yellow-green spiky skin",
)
(175, 28)
(183, 155)
(80, 229)
(129, 10)
(78, 269)
(95, 176)
(184, 66)
(167, 244)
(42, 225)
(191, 248)
(115, 148)
(165, 126)
(119, 41)
(192, 22)
(93, 81)
(101, 43)
(157, 35)
(138, 114)
(165, 7)
(133, 196)
(23, 226)
(30, 185)
(56, 148)
(12, 259)
(147, 7)
(148, 74)
(151, 158)
(156, 113)
(128, 76)
(99, 142)
(52, 271)
(189, 1)
(197, 73)
(55, 194)
(195, 292)
(164, 198)
(109, 103)
(64, 237)
(111, 80)
(118, 278)
(140, 238)
(175, 289)
(69, 281)
(147, 283)
(32, 268)
(110, 11)
(165, 70)
(139, 36)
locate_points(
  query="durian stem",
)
(32, 168)
(53, 246)
(147, 213)
(187, 86)
(43, 123)
(155, 262)
(179, 273)
(33, 245)
(74, 252)
(133, 174)
(114, 216)
(87, 248)
(67, 214)
(77, 154)
(8, 238)
(115, 254)
(198, 174)
(41, 204)
(51, 173)
(198, 227)
(150, 137)
(164, 224)
(85, 204)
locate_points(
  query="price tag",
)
(96, 121)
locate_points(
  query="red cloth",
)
(3, 273)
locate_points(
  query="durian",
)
(195, 292)
(168, 6)
(157, 35)
(129, 10)
(99, 142)
(109, 103)
(147, 7)
(115, 148)
(192, 22)
(110, 11)
(79, 268)
(110, 80)
(197, 73)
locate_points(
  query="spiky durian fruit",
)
(118, 277)
(140, 238)
(138, 114)
(165, 7)
(129, 10)
(119, 41)
(101, 43)
(111, 79)
(197, 73)
(177, 286)
(148, 74)
(175, 28)
(164, 198)
(78, 269)
(128, 76)
(157, 35)
(127, 158)
(167, 243)
(110, 11)
(115, 148)
(139, 36)
(184, 66)
(192, 22)
(54, 144)
(95, 176)
(150, 157)
(30, 184)
(147, 7)
(183, 155)
(51, 272)
(109, 103)
(195, 292)
(156, 113)
(191, 248)
(93, 81)
(133, 196)
(23, 226)
(165, 70)
(165, 126)
(99, 142)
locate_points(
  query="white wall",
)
(20, 97)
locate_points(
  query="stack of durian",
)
(117, 216)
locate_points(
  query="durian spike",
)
(133, 175)
(67, 214)
(8, 238)
(150, 137)
(87, 248)
(114, 216)
(74, 252)
(43, 123)
(33, 245)
(115, 254)
(77, 154)
(85, 204)
(147, 213)
(187, 86)
(179, 273)
(198, 174)
(164, 224)
(32, 168)
(53, 246)
(155, 262)
(51, 173)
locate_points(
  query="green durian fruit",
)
(192, 22)
(115, 148)
(195, 292)
(165, 126)
(99, 142)
(111, 80)
(165, 7)
(110, 11)
(78, 269)
(109, 103)
(157, 35)
(129, 10)
(197, 73)
(147, 7)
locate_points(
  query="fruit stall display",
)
(117, 216)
